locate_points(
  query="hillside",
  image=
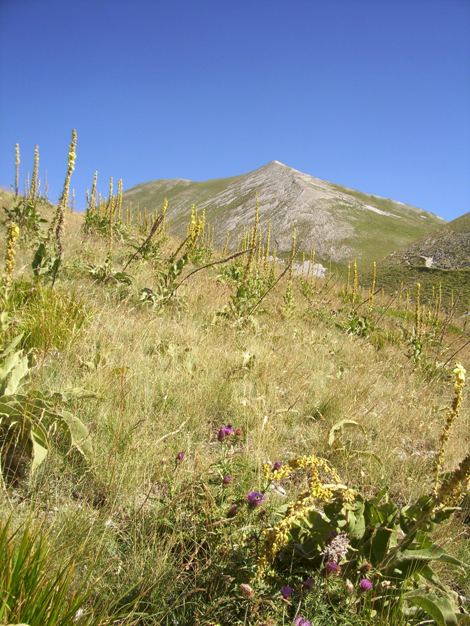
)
(442, 257)
(339, 223)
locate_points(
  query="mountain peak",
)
(276, 163)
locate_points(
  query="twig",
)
(287, 268)
(199, 269)
(153, 230)
(174, 432)
(456, 352)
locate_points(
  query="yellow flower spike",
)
(355, 281)
(33, 190)
(459, 374)
(92, 200)
(10, 254)
(323, 481)
(58, 221)
(17, 169)
(119, 198)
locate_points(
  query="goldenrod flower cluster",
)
(459, 383)
(12, 238)
(323, 481)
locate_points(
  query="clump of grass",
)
(49, 319)
(32, 590)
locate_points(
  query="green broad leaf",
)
(437, 607)
(357, 524)
(40, 446)
(339, 427)
(38, 258)
(380, 544)
(12, 345)
(432, 553)
(12, 373)
(79, 435)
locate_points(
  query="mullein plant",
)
(34, 187)
(13, 234)
(288, 298)
(459, 374)
(355, 285)
(49, 254)
(373, 283)
(17, 169)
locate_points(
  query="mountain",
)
(339, 223)
(440, 258)
(447, 248)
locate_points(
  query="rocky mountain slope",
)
(339, 223)
(440, 260)
(447, 248)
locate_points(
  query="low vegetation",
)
(196, 436)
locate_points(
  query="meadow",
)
(201, 436)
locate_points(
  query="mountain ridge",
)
(338, 222)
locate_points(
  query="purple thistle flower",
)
(180, 457)
(227, 479)
(286, 592)
(277, 465)
(308, 583)
(255, 498)
(233, 510)
(301, 621)
(332, 567)
(365, 585)
(225, 431)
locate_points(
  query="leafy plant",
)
(387, 546)
(29, 421)
(25, 213)
(104, 273)
(356, 324)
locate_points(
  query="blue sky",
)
(373, 94)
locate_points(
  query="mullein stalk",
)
(10, 255)
(459, 383)
(348, 283)
(63, 201)
(92, 198)
(355, 281)
(268, 245)
(253, 240)
(17, 169)
(33, 190)
(374, 280)
(418, 312)
(119, 199)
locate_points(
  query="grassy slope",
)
(165, 381)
